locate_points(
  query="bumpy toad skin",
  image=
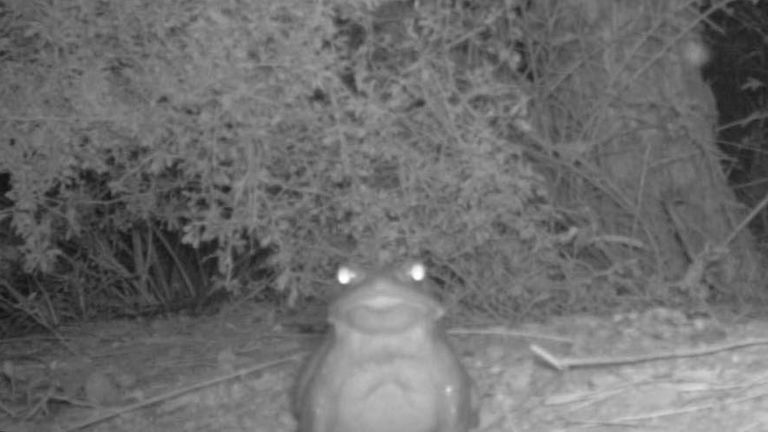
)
(386, 365)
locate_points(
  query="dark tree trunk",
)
(635, 116)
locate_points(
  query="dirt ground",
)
(659, 370)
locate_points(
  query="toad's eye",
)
(417, 272)
(346, 275)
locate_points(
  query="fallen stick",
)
(565, 363)
(170, 395)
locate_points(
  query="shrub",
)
(327, 132)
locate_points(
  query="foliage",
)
(324, 131)
(327, 132)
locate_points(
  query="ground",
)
(233, 371)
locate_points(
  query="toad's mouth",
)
(387, 314)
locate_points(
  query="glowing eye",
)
(417, 272)
(345, 275)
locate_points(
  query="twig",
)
(170, 395)
(501, 331)
(691, 281)
(41, 405)
(758, 208)
(570, 362)
(685, 410)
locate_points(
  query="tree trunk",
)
(631, 112)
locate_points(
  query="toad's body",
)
(386, 365)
